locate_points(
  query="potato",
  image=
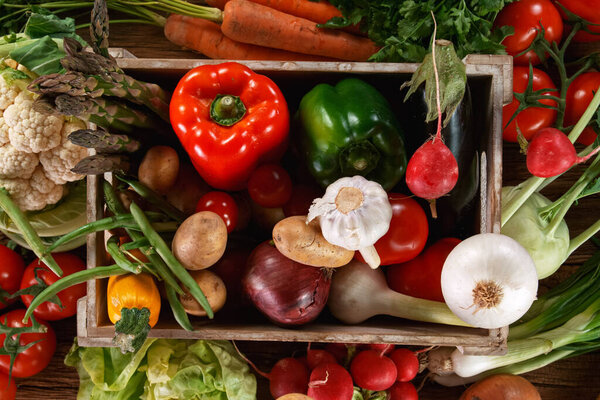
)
(265, 217)
(187, 190)
(305, 244)
(159, 168)
(213, 288)
(200, 240)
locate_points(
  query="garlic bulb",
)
(354, 213)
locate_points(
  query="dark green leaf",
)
(132, 329)
(47, 24)
(41, 57)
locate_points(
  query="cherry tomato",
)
(526, 16)
(579, 96)
(34, 359)
(421, 276)
(588, 10)
(11, 271)
(68, 297)
(7, 391)
(222, 204)
(301, 199)
(270, 186)
(407, 234)
(531, 119)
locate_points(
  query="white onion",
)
(489, 280)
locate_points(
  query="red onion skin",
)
(287, 292)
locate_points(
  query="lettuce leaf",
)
(163, 369)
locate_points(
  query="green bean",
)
(116, 207)
(108, 223)
(136, 244)
(178, 311)
(165, 253)
(154, 198)
(112, 247)
(71, 280)
(29, 233)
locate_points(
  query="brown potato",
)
(213, 288)
(159, 168)
(305, 244)
(187, 190)
(294, 396)
(200, 241)
(266, 218)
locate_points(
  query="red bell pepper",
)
(230, 120)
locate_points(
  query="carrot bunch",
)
(268, 30)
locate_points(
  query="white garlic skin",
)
(360, 227)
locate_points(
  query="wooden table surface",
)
(575, 378)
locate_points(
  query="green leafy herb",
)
(404, 27)
(41, 56)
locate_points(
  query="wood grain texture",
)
(576, 378)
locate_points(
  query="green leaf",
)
(41, 56)
(42, 24)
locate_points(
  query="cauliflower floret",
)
(59, 161)
(8, 93)
(15, 163)
(35, 193)
(29, 130)
(3, 131)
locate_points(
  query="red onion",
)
(287, 292)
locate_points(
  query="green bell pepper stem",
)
(165, 253)
(29, 233)
(71, 280)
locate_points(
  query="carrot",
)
(248, 22)
(316, 11)
(206, 37)
(319, 11)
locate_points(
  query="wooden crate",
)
(490, 78)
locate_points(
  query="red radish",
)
(330, 382)
(381, 348)
(407, 364)
(403, 391)
(339, 351)
(288, 375)
(432, 171)
(550, 153)
(319, 356)
(373, 371)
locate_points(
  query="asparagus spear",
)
(103, 141)
(102, 163)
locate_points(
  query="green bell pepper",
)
(349, 129)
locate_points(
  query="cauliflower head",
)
(15, 163)
(8, 93)
(58, 161)
(31, 131)
(3, 131)
(34, 193)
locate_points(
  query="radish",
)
(432, 170)
(407, 364)
(550, 153)
(403, 391)
(373, 371)
(314, 357)
(381, 348)
(330, 382)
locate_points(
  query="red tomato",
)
(48, 311)
(11, 271)
(222, 204)
(301, 199)
(531, 119)
(579, 96)
(270, 186)
(34, 359)
(588, 10)
(408, 231)
(7, 391)
(526, 16)
(421, 276)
